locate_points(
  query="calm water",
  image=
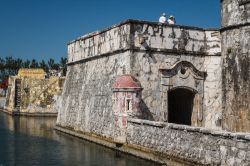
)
(32, 141)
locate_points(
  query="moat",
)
(33, 141)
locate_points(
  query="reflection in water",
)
(32, 126)
(32, 141)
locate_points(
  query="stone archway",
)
(181, 81)
(180, 106)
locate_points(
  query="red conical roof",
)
(126, 81)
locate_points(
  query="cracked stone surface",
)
(236, 65)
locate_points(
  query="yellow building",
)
(30, 93)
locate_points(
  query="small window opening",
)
(128, 105)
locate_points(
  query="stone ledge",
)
(243, 2)
(147, 122)
(98, 56)
(39, 114)
(217, 133)
(134, 21)
(132, 149)
(137, 49)
(230, 27)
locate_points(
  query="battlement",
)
(143, 36)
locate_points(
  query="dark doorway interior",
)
(180, 106)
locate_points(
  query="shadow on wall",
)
(146, 114)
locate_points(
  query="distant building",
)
(3, 88)
(29, 93)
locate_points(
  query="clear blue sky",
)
(41, 29)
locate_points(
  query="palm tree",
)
(44, 66)
(34, 64)
(63, 65)
(17, 64)
(10, 68)
(26, 64)
(52, 65)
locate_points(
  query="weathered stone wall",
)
(235, 12)
(236, 64)
(10, 96)
(130, 34)
(213, 93)
(164, 47)
(36, 95)
(32, 73)
(175, 39)
(155, 55)
(146, 69)
(190, 144)
(141, 49)
(40, 95)
(87, 95)
(112, 39)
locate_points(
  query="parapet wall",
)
(173, 144)
(130, 34)
(189, 40)
(190, 144)
(98, 43)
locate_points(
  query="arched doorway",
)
(180, 106)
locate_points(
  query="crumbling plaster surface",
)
(213, 93)
(99, 43)
(146, 69)
(87, 94)
(130, 34)
(236, 65)
(235, 12)
(176, 38)
(164, 48)
(236, 82)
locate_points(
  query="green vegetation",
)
(9, 66)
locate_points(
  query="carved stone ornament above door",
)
(183, 75)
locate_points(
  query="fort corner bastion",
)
(155, 91)
(162, 58)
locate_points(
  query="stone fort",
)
(164, 91)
